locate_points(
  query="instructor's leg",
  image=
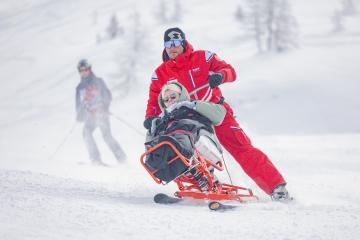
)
(254, 162)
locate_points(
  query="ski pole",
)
(226, 168)
(127, 124)
(63, 141)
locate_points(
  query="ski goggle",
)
(84, 69)
(172, 43)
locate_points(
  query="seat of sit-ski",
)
(164, 161)
(167, 166)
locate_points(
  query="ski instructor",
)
(201, 72)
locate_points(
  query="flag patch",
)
(208, 55)
(154, 77)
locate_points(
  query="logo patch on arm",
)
(208, 55)
(154, 77)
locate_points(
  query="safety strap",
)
(200, 88)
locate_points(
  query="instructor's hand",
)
(215, 80)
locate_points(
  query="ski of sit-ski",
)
(162, 198)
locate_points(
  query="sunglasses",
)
(172, 43)
(173, 96)
(84, 69)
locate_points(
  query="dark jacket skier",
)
(93, 99)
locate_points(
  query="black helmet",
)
(83, 63)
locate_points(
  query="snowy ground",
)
(301, 108)
(105, 204)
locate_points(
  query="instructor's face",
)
(173, 52)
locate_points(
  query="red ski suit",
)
(192, 70)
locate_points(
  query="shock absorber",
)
(199, 177)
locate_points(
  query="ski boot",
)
(280, 193)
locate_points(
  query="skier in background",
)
(201, 72)
(93, 99)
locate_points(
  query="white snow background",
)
(301, 107)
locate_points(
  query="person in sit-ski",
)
(176, 106)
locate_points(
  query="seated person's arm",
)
(214, 112)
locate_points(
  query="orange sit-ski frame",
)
(188, 186)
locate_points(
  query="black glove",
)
(147, 122)
(215, 80)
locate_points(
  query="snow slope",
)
(300, 107)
